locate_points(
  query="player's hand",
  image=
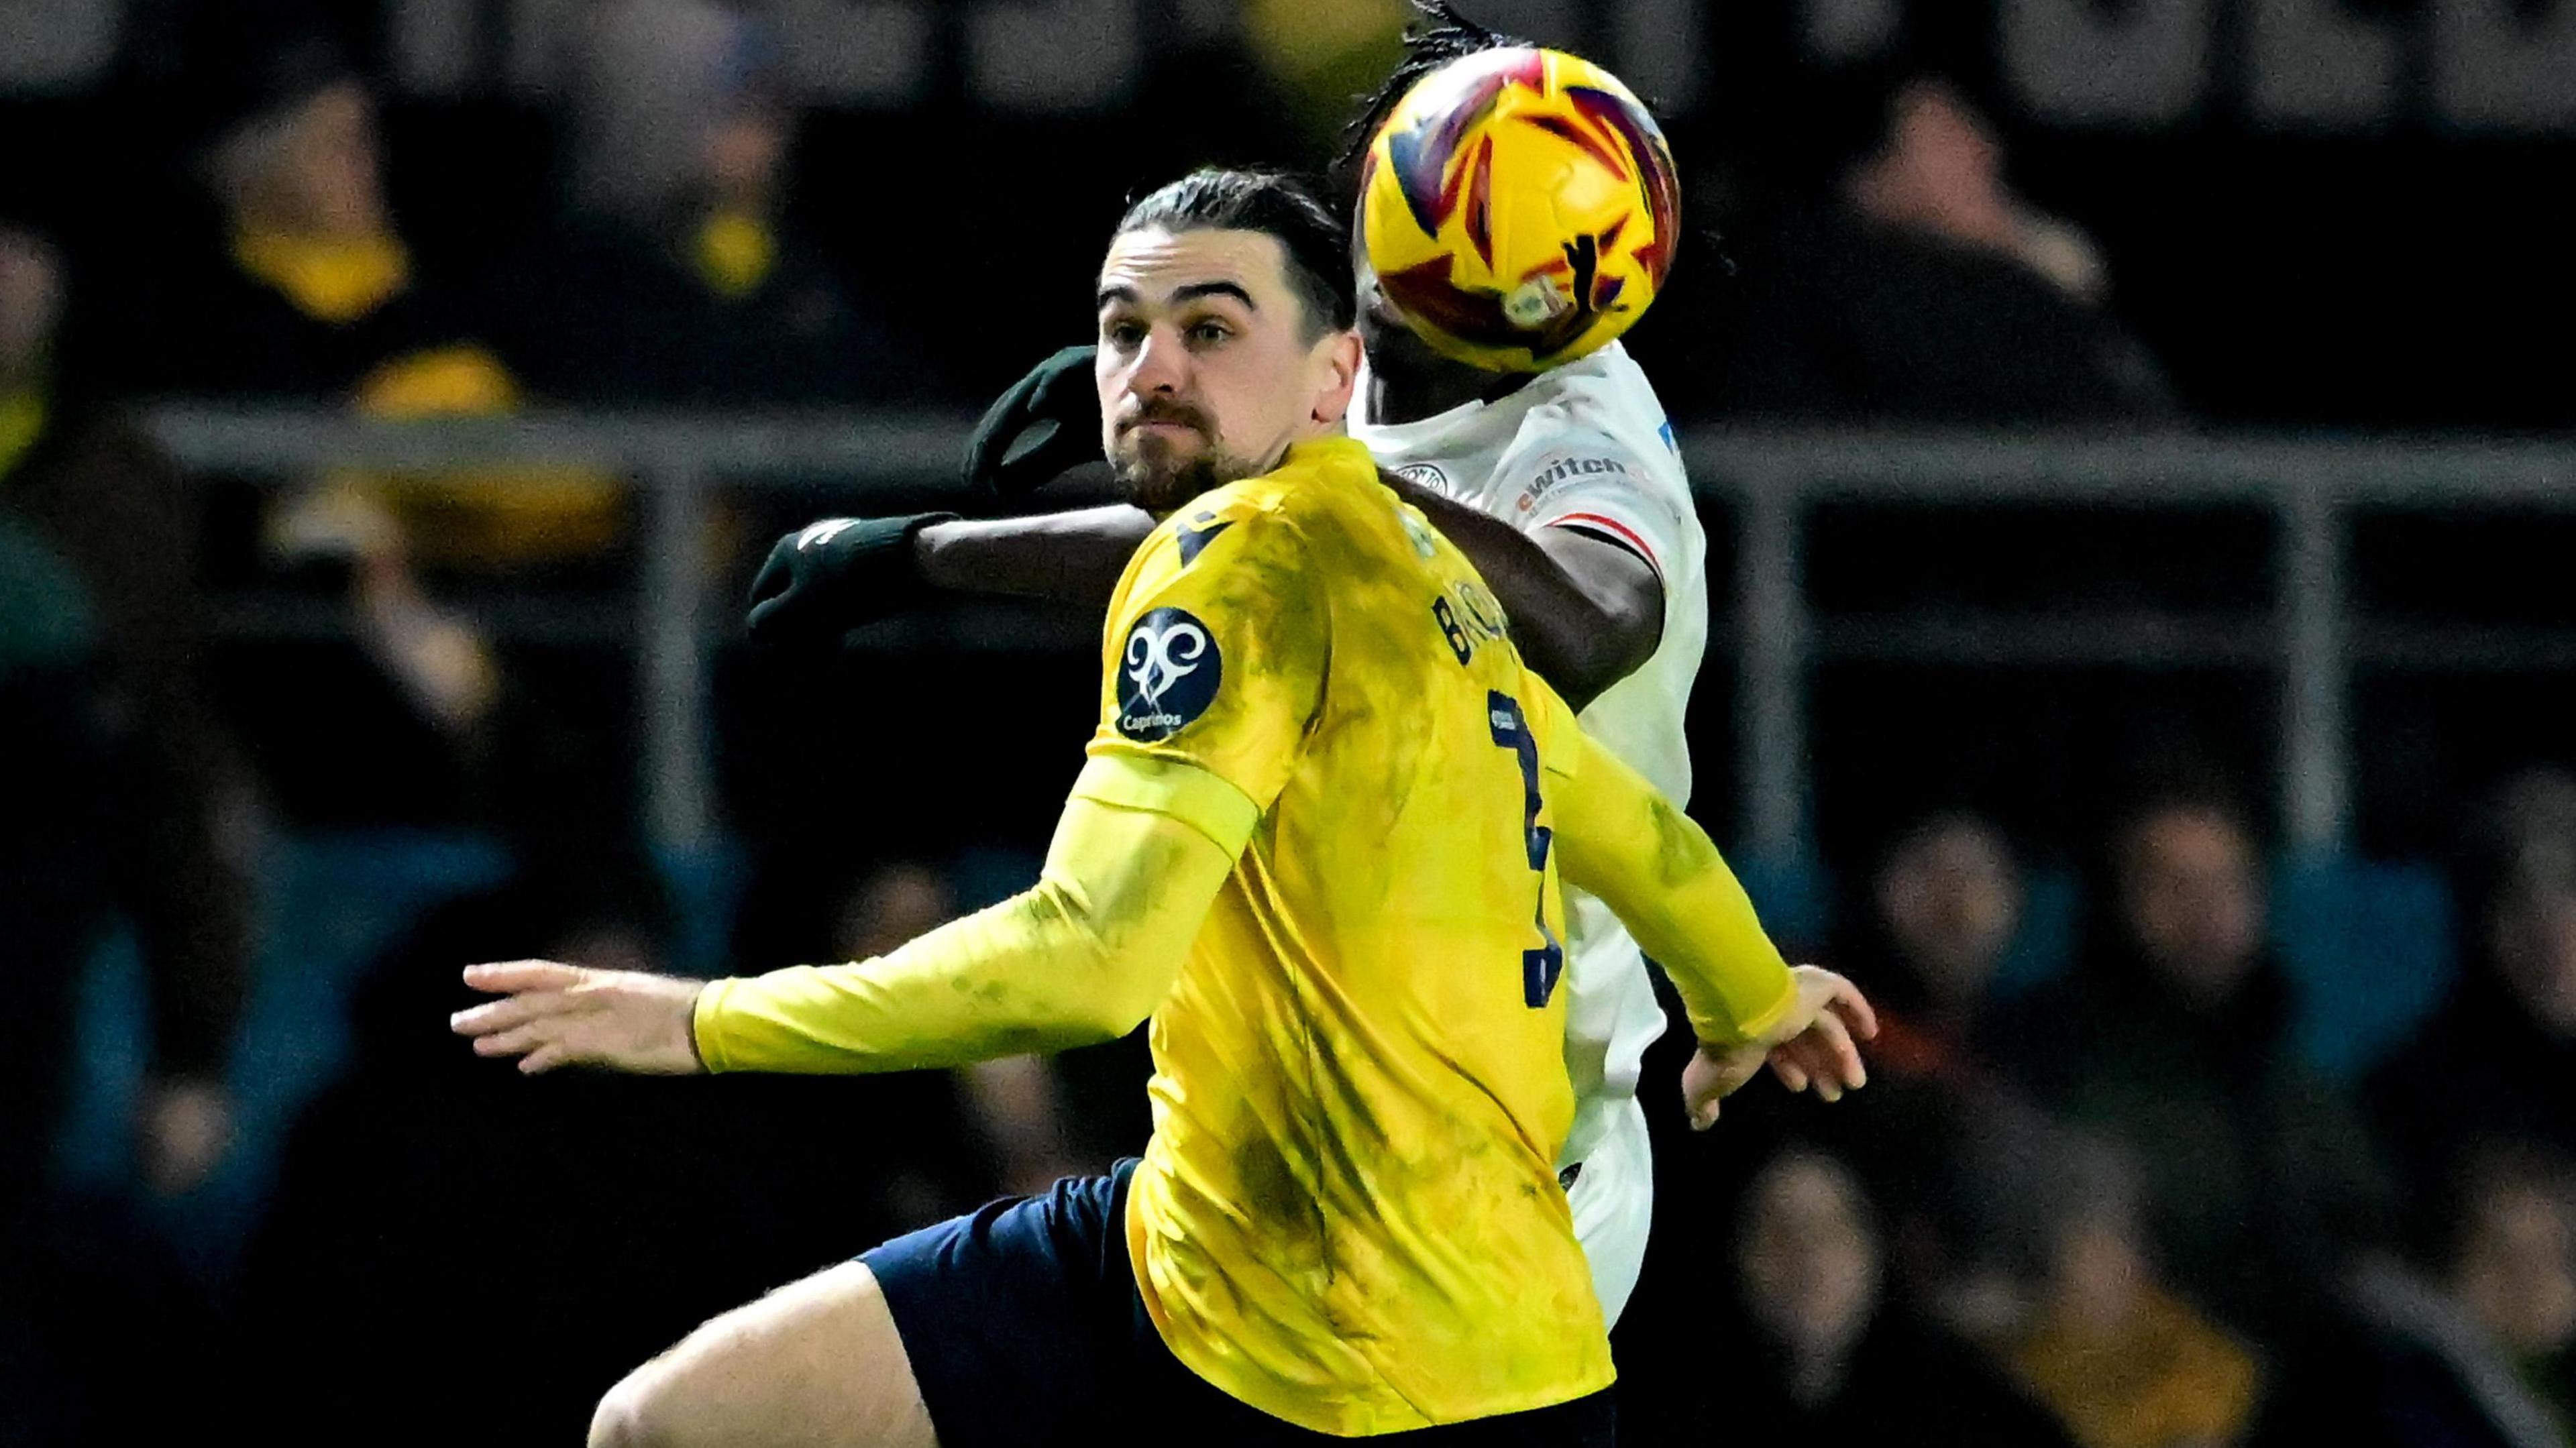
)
(1813, 1047)
(566, 1015)
(827, 578)
(1047, 425)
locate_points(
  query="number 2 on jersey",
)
(1540, 967)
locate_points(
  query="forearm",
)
(1080, 958)
(1073, 557)
(1578, 640)
(1660, 873)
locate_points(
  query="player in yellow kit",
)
(1318, 841)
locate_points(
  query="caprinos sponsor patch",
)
(1167, 674)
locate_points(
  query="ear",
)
(1336, 363)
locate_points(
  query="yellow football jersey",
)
(1349, 1215)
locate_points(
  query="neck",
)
(1409, 382)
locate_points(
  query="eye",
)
(1210, 333)
(1122, 334)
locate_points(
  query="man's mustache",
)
(1179, 414)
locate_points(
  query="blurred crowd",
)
(2121, 1196)
(2115, 1207)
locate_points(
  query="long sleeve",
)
(1140, 852)
(1659, 872)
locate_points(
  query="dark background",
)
(398, 1242)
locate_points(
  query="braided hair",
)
(1442, 35)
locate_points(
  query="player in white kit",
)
(1567, 492)
(1584, 447)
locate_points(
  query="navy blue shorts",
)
(1024, 1326)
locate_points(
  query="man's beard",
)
(1157, 479)
(1163, 489)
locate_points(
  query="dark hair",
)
(1279, 206)
(1443, 35)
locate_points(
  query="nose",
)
(1161, 367)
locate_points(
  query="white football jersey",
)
(1586, 446)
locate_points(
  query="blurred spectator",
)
(313, 293)
(2120, 1360)
(310, 292)
(1821, 1357)
(118, 798)
(889, 906)
(317, 297)
(51, 773)
(436, 1213)
(165, 835)
(1013, 1107)
(1924, 289)
(2476, 1340)
(675, 277)
(2500, 1057)
(1944, 904)
(2174, 1037)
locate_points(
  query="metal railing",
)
(1770, 482)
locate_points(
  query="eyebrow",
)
(1190, 293)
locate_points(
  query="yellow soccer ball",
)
(1520, 208)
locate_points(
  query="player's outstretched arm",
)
(1071, 557)
(1081, 957)
(838, 574)
(1662, 875)
(1585, 614)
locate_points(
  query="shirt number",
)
(1541, 967)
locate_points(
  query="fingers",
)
(517, 1043)
(1836, 1063)
(1710, 1076)
(1823, 1058)
(1854, 1008)
(512, 976)
(1786, 1066)
(544, 1059)
(777, 574)
(504, 1014)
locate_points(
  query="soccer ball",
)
(1520, 209)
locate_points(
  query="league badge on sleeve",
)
(1167, 675)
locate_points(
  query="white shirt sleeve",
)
(1587, 480)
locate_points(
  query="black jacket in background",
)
(1845, 320)
(1906, 1383)
(2482, 1070)
(2261, 1179)
(610, 315)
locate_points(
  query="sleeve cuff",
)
(1205, 801)
(705, 1025)
(1753, 1027)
